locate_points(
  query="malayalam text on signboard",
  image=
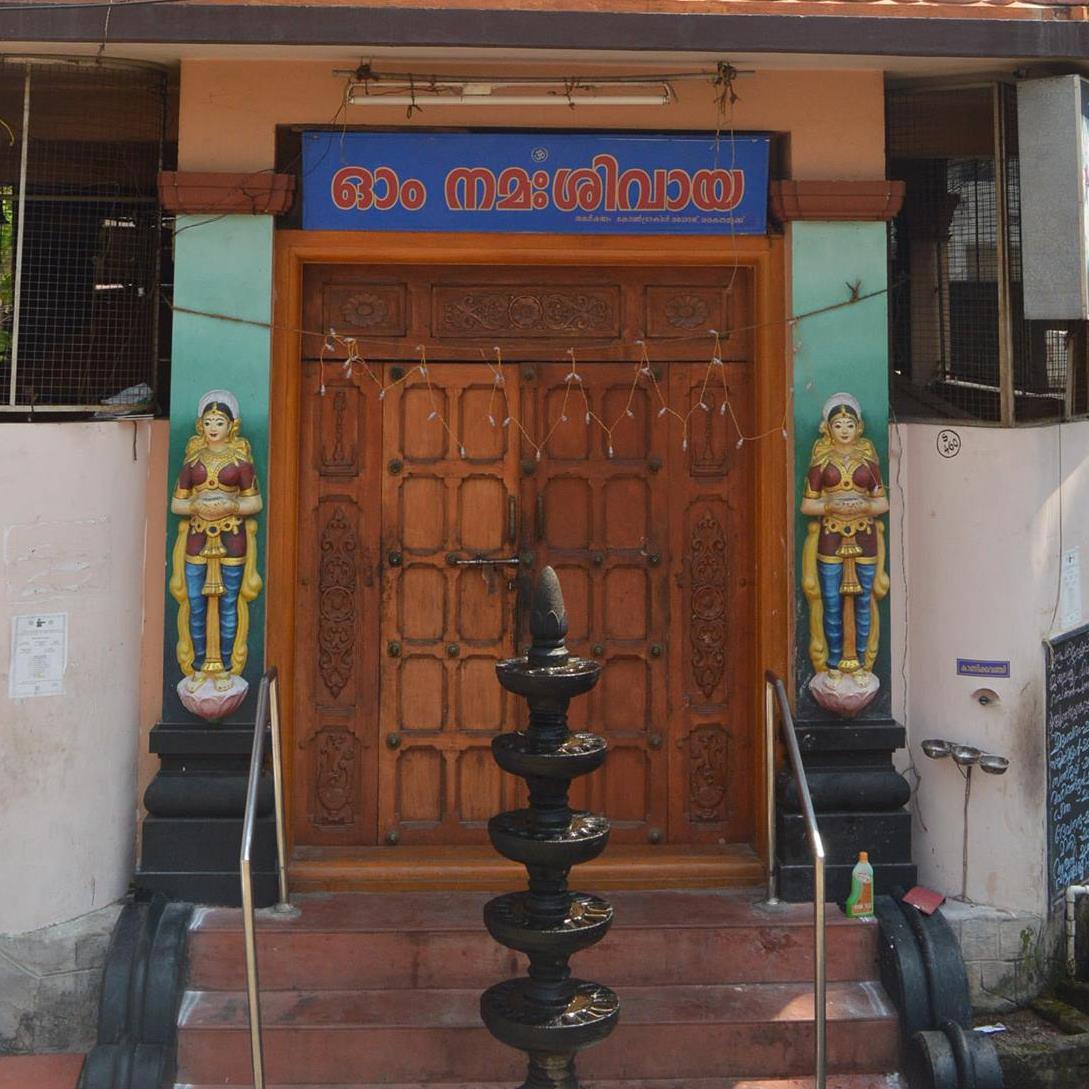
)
(570, 183)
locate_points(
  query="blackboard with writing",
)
(1067, 662)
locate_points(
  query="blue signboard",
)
(981, 667)
(570, 183)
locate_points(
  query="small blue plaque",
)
(980, 667)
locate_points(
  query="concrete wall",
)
(74, 527)
(230, 109)
(980, 579)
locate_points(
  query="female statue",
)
(214, 573)
(843, 560)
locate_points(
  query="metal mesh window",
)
(80, 147)
(960, 345)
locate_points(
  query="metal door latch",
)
(454, 560)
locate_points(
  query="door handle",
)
(512, 519)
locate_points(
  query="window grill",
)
(960, 347)
(81, 144)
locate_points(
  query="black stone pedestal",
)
(859, 800)
(193, 832)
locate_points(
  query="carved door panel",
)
(712, 588)
(449, 493)
(336, 701)
(600, 518)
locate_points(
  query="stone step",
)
(395, 940)
(391, 1037)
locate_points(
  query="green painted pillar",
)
(223, 265)
(842, 350)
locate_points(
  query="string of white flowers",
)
(502, 412)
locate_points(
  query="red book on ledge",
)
(926, 900)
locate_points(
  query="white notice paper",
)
(1070, 592)
(39, 655)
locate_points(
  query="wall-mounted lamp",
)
(965, 757)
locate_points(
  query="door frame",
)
(772, 515)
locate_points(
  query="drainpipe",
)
(1072, 891)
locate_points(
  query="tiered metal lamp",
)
(548, 1014)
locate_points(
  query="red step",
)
(56, 1071)
(379, 1037)
(383, 989)
(393, 940)
(835, 1081)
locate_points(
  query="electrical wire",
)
(91, 5)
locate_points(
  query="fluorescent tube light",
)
(482, 94)
(427, 99)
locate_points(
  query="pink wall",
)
(151, 645)
(229, 111)
(80, 519)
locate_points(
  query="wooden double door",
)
(434, 487)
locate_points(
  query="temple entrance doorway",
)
(464, 427)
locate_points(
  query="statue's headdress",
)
(222, 400)
(841, 401)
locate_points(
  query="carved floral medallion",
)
(365, 310)
(686, 311)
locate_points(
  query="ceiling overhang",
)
(172, 31)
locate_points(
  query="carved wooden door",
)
(450, 517)
(601, 521)
(648, 533)
(396, 699)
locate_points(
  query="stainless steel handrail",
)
(268, 715)
(775, 692)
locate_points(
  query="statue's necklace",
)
(214, 462)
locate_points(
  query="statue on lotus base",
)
(843, 559)
(214, 575)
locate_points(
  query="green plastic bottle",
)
(860, 903)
